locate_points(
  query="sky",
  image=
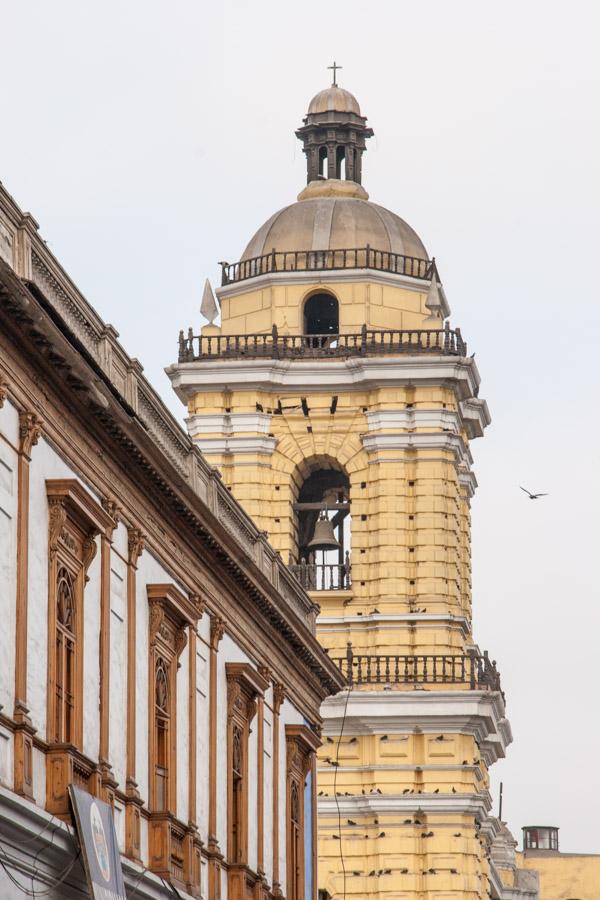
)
(151, 139)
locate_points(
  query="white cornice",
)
(228, 423)
(330, 375)
(476, 416)
(447, 419)
(334, 276)
(263, 446)
(476, 804)
(480, 714)
(375, 621)
(419, 440)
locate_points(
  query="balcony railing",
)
(327, 260)
(323, 576)
(366, 342)
(477, 672)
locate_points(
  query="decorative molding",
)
(420, 440)
(262, 446)
(353, 374)
(480, 714)
(115, 512)
(3, 392)
(476, 804)
(136, 542)
(278, 696)
(200, 424)
(217, 630)
(30, 429)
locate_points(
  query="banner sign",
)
(96, 831)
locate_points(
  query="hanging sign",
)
(98, 840)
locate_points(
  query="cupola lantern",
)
(333, 135)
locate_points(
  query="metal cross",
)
(335, 67)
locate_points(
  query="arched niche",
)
(324, 488)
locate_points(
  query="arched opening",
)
(321, 315)
(340, 162)
(323, 511)
(323, 163)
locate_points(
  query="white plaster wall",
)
(91, 658)
(202, 725)
(268, 795)
(9, 425)
(6, 757)
(183, 736)
(117, 707)
(289, 715)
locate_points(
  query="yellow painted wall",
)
(564, 876)
(378, 305)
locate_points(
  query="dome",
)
(335, 223)
(334, 99)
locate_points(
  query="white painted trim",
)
(476, 416)
(228, 423)
(261, 445)
(447, 419)
(480, 714)
(419, 440)
(375, 620)
(477, 804)
(327, 375)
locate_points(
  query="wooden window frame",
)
(174, 847)
(244, 686)
(75, 520)
(301, 745)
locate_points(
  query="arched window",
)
(162, 715)
(340, 162)
(323, 163)
(295, 860)
(237, 785)
(321, 315)
(64, 707)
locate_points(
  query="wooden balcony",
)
(366, 342)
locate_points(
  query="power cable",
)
(337, 802)
(33, 893)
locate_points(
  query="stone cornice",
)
(421, 440)
(331, 375)
(480, 714)
(477, 804)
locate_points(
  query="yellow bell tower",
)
(339, 405)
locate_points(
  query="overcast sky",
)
(150, 140)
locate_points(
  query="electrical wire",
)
(337, 802)
(137, 884)
(33, 893)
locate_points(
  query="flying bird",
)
(532, 496)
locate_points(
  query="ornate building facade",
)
(154, 649)
(340, 405)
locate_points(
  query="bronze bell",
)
(323, 537)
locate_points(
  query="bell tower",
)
(340, 405)
(333, 135)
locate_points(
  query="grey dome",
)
(335, 223)
(334, 99)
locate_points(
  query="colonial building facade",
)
(340, 406)
(154, 648)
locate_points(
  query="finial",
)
(335, 67)
(208, 307)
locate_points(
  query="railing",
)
(322, 576)
(328, 260)
(478, 672)
(366, 342)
